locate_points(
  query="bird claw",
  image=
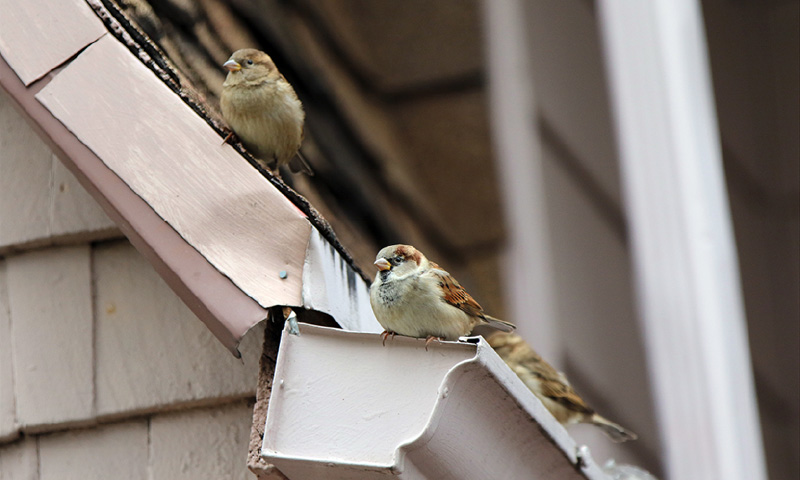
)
(228, 137)
(385, 334)
(432, 339)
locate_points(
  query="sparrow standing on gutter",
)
(415, 297)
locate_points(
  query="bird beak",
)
(383, 264)
(232, 66)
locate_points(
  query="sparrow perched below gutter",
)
(551, 386)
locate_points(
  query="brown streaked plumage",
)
(551, 386)
(414, 297)
(263, 110)
(454, 293)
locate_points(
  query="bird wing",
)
(454, 293)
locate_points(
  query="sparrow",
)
(263, 110)
(551, 386)
(415, 297)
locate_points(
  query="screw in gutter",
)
(582, 456)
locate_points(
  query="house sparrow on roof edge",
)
(415, 297)
(263, 110)
(551, 386)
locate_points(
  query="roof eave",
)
(225, 309)
(220, 233)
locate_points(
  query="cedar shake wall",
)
(104, 372)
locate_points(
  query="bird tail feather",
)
(501, 325)
(615, 432)
(299, 164)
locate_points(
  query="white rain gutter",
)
(343, 406)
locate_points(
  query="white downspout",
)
(683, 245)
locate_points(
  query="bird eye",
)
(397, 260)
(249, 62)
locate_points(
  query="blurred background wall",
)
(399, 133)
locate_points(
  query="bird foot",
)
(228, 137)
(432, 339)
(385, 334)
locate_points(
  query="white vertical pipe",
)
(528, 270)
(684, 251)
